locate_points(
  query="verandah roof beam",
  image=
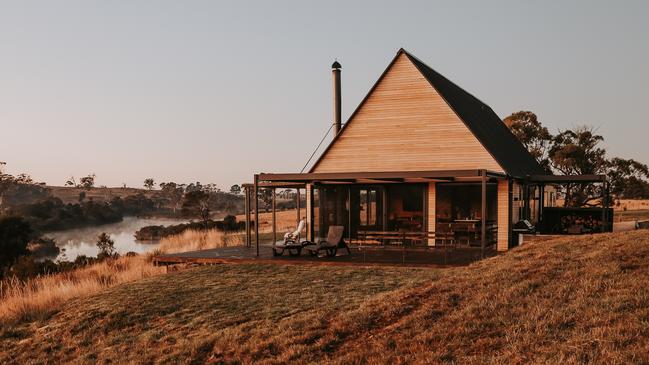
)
(332, 176)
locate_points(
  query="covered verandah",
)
(536, 206)
(380, 204)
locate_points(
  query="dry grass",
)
(193, 240)
(286, 220)
(570, 301)
(632, 204)
(39, 297)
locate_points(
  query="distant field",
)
(572, 300)
(286, 220)
(633, 204)
(71, 194)
(631, 215)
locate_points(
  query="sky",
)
(215, 91)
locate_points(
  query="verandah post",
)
(247, 213)
(483, 228)
(349, 215)
(256, 200)
(274, 219)
(605, 197)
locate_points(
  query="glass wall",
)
(459, 210)
(368, 207)
(333, 209)
(457, 201)
(405, 207)
(376, 207)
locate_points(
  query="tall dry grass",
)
(193, 240)
(40, 296)
(286, 220)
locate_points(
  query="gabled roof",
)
(479, 118)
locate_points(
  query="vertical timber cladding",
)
(405, 125)
(431, 211)
(503, 215)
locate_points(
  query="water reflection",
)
(82, 241)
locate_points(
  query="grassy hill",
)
(71, 194)
(573, 300)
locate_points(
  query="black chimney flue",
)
(335, 69)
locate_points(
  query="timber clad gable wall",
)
(405, 125)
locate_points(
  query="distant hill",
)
(71, 194)
(578, 299)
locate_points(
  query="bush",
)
(154, 233)
(15, 233)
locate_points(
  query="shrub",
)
(15, 233)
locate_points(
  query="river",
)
(82, 241)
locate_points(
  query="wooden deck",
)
(373, 255)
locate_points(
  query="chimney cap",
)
(336, 65)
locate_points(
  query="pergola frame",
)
(299, 181)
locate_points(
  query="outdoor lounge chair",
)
(291, 242)
(295, 235)
(331, 245)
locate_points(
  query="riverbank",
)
(82, 241)
(39, 297)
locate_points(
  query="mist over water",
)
(82, 241)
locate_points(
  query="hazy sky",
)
(215, 91)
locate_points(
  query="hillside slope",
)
(572, 300)
(71, 194)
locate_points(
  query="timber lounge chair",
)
(291, 241)
(331, 245)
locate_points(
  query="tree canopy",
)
(579, 151)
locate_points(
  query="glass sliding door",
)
(384, 207)
(333, 209)
(368, 208)
(459, 210)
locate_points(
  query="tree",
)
(196, 204)
(106, 246)
(149, 183)
(87, 182)
(15, 233)
(71, 182)
(21, 189)
(578, 151)
(82, 196)
(266, 196)
(534, 136)
(173, 192)
(628, 178)
(235, 189)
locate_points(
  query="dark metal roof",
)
(481, 120)
(494, 135)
